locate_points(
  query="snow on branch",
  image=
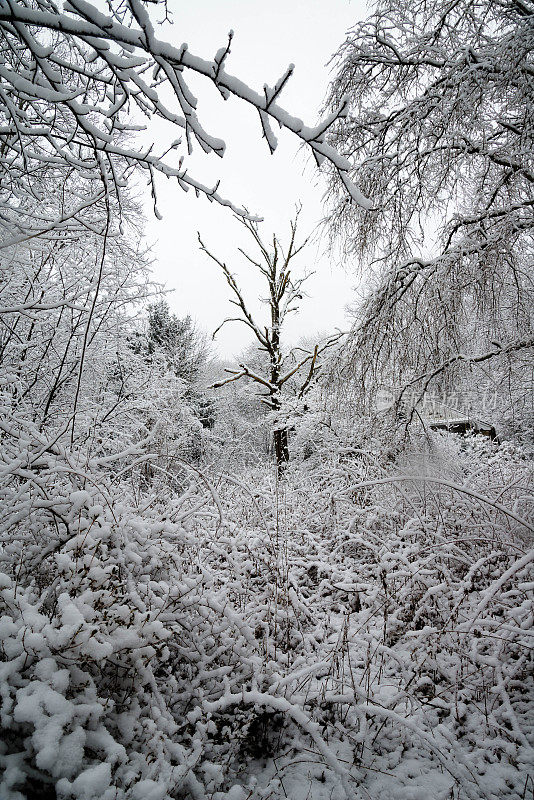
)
(68, 102)
(498, 350)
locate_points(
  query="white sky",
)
(268, 37)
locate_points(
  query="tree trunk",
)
(281, 450)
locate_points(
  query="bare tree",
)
(441, 132)
(284, 294)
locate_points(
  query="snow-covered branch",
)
(99, 72)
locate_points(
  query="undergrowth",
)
(361, 628)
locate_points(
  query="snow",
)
(91, 783)
(148, 790)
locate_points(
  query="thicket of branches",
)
(440, 130)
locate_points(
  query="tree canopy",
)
(441, 133)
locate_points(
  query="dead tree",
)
(284, 294)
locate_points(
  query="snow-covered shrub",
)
(107, 623)
(240, 437)
(401, 610)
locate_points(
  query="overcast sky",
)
(268, 37)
